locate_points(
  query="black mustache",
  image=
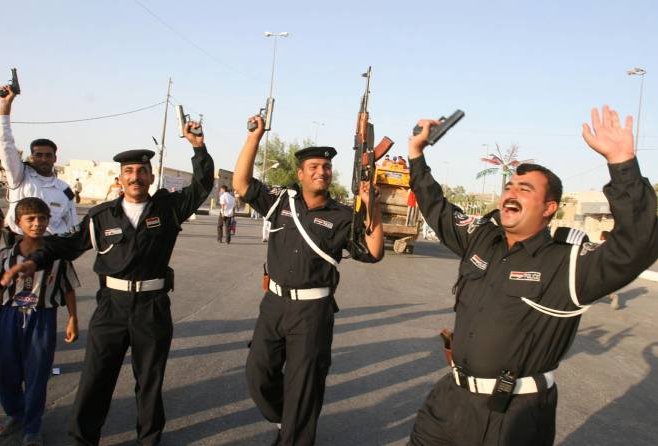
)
(139, 182)
(512, 201)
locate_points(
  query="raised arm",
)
(191, 197)
(447, 221)
(631, 246)
(374, 240)
(244, 168)
(9, 156)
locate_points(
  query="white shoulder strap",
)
(300, 228)
(266, 218)
(573, 259)
(92, 236)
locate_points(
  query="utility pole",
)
(162, 140)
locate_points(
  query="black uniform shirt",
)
(142, 253)
(495, 329)
(291, 262)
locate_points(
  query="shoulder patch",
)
(570, 236)
(69, 193)
(588, 247)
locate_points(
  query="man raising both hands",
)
(520, 292)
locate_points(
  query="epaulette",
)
(69, 193)
(570, 236)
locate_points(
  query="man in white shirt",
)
(226, 208)
(34, 178)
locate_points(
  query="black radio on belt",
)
(502, 392)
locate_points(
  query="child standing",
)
(28, 325)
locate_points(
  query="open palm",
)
(609, 138)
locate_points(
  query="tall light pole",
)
(637, 71)
(317, 126)
(263, 171)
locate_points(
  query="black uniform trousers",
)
(297, 333)
(122, 319)
(452, 416)
(224, 224)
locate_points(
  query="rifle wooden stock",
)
(380, 150)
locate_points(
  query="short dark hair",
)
(554, 184)
(31, 205)
(223, 186)
(43, 142)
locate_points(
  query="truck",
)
(401, 218)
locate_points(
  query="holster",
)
(446, 335)
(266, 279)
(169, 279)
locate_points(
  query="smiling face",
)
(315, 174)
(136, 180)
(524, 208)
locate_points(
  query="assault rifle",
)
(265, 113)
(445, 124)
(15, 86)
(365, 156)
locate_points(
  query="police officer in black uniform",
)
(134, 237)
(521, 292)
(295, 324)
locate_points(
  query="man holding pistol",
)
(133, 236)
(295, 325)
(521, 291)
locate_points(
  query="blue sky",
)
(524, 72)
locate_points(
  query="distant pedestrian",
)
(226, 210)
(114, 191)
(77, 189)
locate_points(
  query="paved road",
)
(386, 353)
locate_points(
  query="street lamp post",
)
(637, 71)
(263, 171)
(317, 126)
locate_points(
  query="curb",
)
(649, 275)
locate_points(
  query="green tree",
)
(505, 164)
(282, 155)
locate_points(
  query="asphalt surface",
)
(386, 352)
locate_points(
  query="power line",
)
(90, 119)
(186, 39)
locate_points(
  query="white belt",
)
(134, 286)
(301, 294)
(526, 384)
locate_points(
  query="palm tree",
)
(505, 165)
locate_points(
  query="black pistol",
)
(445, 124)
(265, 113)
(15, 86)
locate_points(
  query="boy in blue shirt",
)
(28, 325)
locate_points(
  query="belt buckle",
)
(463, 378)
(132, 286)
